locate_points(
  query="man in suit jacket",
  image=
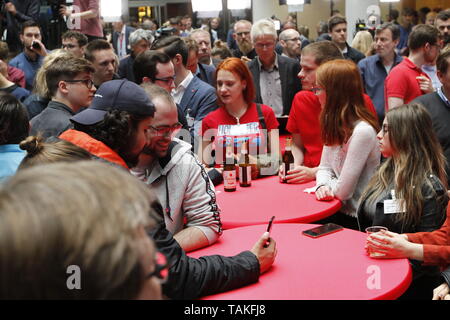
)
(120, 38)
(205, 72)
(275, 76)
(194, 97)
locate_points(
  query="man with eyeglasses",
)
(114, 129)
(69, 80)
(274, 76)
(292, 44)
(241, 34)
(169, 167)
(194, 97)
(74, 42)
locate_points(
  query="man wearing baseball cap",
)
(114, 129)
(114, 126)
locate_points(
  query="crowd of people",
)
(111, 147)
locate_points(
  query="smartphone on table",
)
(320, 231)
(269, 227)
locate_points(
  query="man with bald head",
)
(291, 42)
(167, 164)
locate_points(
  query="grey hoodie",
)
(185, 191)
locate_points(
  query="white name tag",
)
(392, 206)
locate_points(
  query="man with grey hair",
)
(274, 76)
(291, 43)
(374, 69)
(203, 39)
(140, 41)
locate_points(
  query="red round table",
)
(332, 267)
(267, 197)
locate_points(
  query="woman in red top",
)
(238, 116)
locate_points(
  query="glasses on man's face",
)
(317, 91)
(294, 39)
(166, 130)
(161, 268)
(167, 80)
(88, 82)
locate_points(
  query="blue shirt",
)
(373, 74)
(10, 157)
(28, 66)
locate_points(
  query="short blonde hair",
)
(40, 83)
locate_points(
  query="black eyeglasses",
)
(166, 80)
(166, 130)
(161, 268)
(88, 82)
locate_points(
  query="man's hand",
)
(11, 8)
(441, 292)
(63, 11)
(300, 174)
(425, 84)
(41, 51)
(266, 256)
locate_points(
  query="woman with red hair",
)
(238, 118)
(350, 154)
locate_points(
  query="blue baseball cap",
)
(120, 95)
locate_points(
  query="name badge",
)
(392, 206)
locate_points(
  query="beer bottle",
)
(245, 170)
(229, 170)
(288, 159)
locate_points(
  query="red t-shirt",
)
(402, 83)
(304, 120)
(221, 117)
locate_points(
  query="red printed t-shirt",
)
(221, 116)
(402, 83)
(304, 120)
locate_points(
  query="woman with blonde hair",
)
(408, 192)
(350, 154)
(363, 42)
(40, 97)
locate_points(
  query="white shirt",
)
(122, 43)
(178, 92)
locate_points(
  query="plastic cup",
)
(374, 229)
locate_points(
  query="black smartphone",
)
(35, 45)
(322, 230)
(269, 227)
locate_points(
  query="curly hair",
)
(116, 130)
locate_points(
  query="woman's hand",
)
(442, 292)
(324, 193)
(301, 174)
(392, 245)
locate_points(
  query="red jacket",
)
(95, 147)
(436, 249)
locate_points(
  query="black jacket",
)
(433, 216)
(446, 275)
(353, 54)
(52, 121)
(290, 83)
(191, 278)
